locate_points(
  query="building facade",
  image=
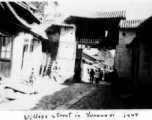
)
(127, 32)
(140, 49)
(91, 29)
(63, 50)
(19, 45)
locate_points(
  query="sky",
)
(135, 9)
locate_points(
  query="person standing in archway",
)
(92, 73)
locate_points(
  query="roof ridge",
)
(131, 23)
(102, 14)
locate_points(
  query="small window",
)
(124, 34)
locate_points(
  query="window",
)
(124, 34)
(5, 47)
(26, 42)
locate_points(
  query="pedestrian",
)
(110, 76)
(97, 76)
(114, 79)
(101, 75)
(55, 72)
(92, 73)
(32, 77)
(105, 76)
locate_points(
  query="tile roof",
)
(89, 57)
(29, 8)
(88, 14)
(48, 23)
(147, 22)
(131, 23)
(40, 29)
(2, 34)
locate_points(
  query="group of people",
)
(109, 77)
(96, 75)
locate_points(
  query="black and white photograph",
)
(75, 55)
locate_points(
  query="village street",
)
(54, 96)
(51, 51)
(80, 96)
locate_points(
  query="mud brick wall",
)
(145, 67)
(67, 52)
(123, 56)
(123, 62)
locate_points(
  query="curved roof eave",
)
(96, 15)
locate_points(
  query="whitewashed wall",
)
(66, 53)
(31, 60)
(37, 56)
(17, 55)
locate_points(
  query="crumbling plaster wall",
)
(123, 56)
(67, 52)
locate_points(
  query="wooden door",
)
(6, 48)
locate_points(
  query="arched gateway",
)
(95, 30)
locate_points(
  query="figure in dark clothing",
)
(110, 77)
(32, 77)
(106, 76)
(97, 76)
(114, 80)
(101, 75)
(92, 75)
